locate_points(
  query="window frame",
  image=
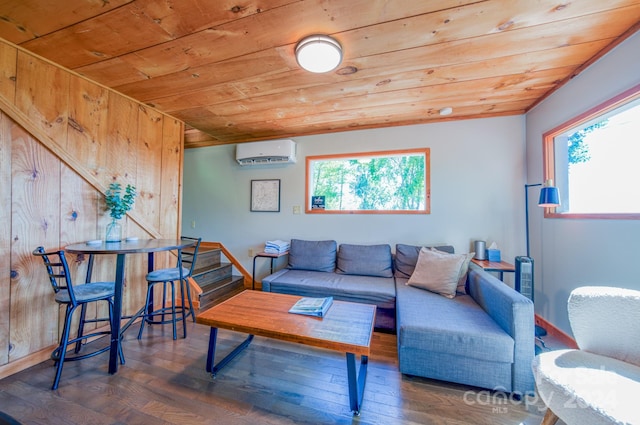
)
(548, 151)
(353, 155)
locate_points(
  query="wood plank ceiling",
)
(227, 68)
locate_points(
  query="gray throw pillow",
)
(317, 256)
(437, 272)
(407, 257)
(365, 260)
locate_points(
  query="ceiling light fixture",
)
(318, 53)
(446, 111)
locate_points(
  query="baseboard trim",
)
(555, 332)
(26, 362)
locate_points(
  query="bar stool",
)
(168, 277)
(74, 296)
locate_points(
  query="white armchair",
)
(600, 382)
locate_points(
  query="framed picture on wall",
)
(265, 195)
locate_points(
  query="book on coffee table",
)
(312, 306)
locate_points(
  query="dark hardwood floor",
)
(272, 382)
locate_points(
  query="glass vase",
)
(114, 232)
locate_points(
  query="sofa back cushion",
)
(407, 257)
(312, 255)
(365, 260)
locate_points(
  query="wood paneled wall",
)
(63, 140)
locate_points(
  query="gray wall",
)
(572, 253)
(477, 178)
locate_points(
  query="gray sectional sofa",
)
(358, 273)
(484, 336)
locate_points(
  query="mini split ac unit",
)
(269, 152)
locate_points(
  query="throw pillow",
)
(464, 270)
(365, 260)
(407, 256)
(437, 273)
(312, 255)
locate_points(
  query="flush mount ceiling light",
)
(318, 53)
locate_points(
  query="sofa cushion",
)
(365, 260)
(407, 256)
(380, 291)
(459, 326)
(312, 255)
(437, 273)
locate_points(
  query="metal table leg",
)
(117, 315)
(253, 275)
(356, 382)
(213, 335)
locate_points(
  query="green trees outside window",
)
(390, 181)
(592, 159)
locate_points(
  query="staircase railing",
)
(233, 260)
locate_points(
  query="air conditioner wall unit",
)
(270, 152)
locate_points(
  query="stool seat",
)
(165, 275)
(93, 291)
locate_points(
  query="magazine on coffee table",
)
(312, 306)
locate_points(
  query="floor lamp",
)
(549, 197)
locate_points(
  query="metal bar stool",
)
(74, 296)
(169, 277)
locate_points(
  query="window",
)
(374, 182)
(593, 160)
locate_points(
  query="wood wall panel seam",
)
(22, 119)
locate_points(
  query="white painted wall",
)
(572, 253)
(477, 178)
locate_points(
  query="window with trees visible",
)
(593, 160)
(374, 182)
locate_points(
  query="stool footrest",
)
(166, 311)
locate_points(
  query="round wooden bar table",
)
(121, 249)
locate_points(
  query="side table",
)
(495, 266)
(272, 256)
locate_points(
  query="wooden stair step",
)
(205, 276)
(216, 292)
(207, 257)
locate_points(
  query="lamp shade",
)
(549, 197)
(318, 53)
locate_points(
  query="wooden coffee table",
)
(347, 327)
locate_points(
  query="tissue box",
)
(493, 255)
